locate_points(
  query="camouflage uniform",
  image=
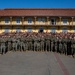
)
(73, 47)
(18, 44)
(9, 44)
(47, 43)
(22, 45)
(30, 43)
(3, 47)
(42, 44)
(50, 44)
(25, 44)
(69, 47)
(54, 43)
(36, 44)
(65, 45)
(60, 46)
(14, 44)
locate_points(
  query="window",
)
(64, 30)
(65, 21)
(39, 19)
(74, 29)
(53, 21)
(53, 30)
(29, 20)
(6, 20)
(41, 30)
(18, 29)
(6, 30)
(29, 30)
(18, 20)
(43, 19)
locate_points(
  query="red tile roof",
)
(37, 12)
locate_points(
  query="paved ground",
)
(36, 63)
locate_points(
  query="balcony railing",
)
(36, 24)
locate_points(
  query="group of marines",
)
(31, 41)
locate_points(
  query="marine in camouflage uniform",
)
(18, 44)
(52, 44)
(9, 44)
(42, 44)
(60, 46)
(65, 45)
(22, 45)
(14, 44)
(3, 47)
(69, 47)
(57, 45)
(36, 44)
(47, 43)
(0, 44)
(30, 43)
(25, 44)
(73, 47)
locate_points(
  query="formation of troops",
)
(31, 41)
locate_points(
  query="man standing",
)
(3, 48)
(42, 43)
(73, 46)
(69, 47)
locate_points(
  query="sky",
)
(37, 4)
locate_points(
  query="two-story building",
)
(37, 20)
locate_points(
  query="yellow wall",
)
(14, 21)
(38, 23)
(46, 29)
(74, 22)
(35, 30)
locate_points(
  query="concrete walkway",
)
(36, 63)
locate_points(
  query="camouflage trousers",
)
(22, 46)
(73, 51)
(42, 46)
(36, 46)
(14, 47)
(3, 49)
(30, 45)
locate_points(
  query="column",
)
(11, 23)
(35, 21)
(0, 26)
(22, 20)
(47, 20)
(60, 20)
(10, 20)
(0, 20)
(72, 20)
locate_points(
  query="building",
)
(37, 20)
